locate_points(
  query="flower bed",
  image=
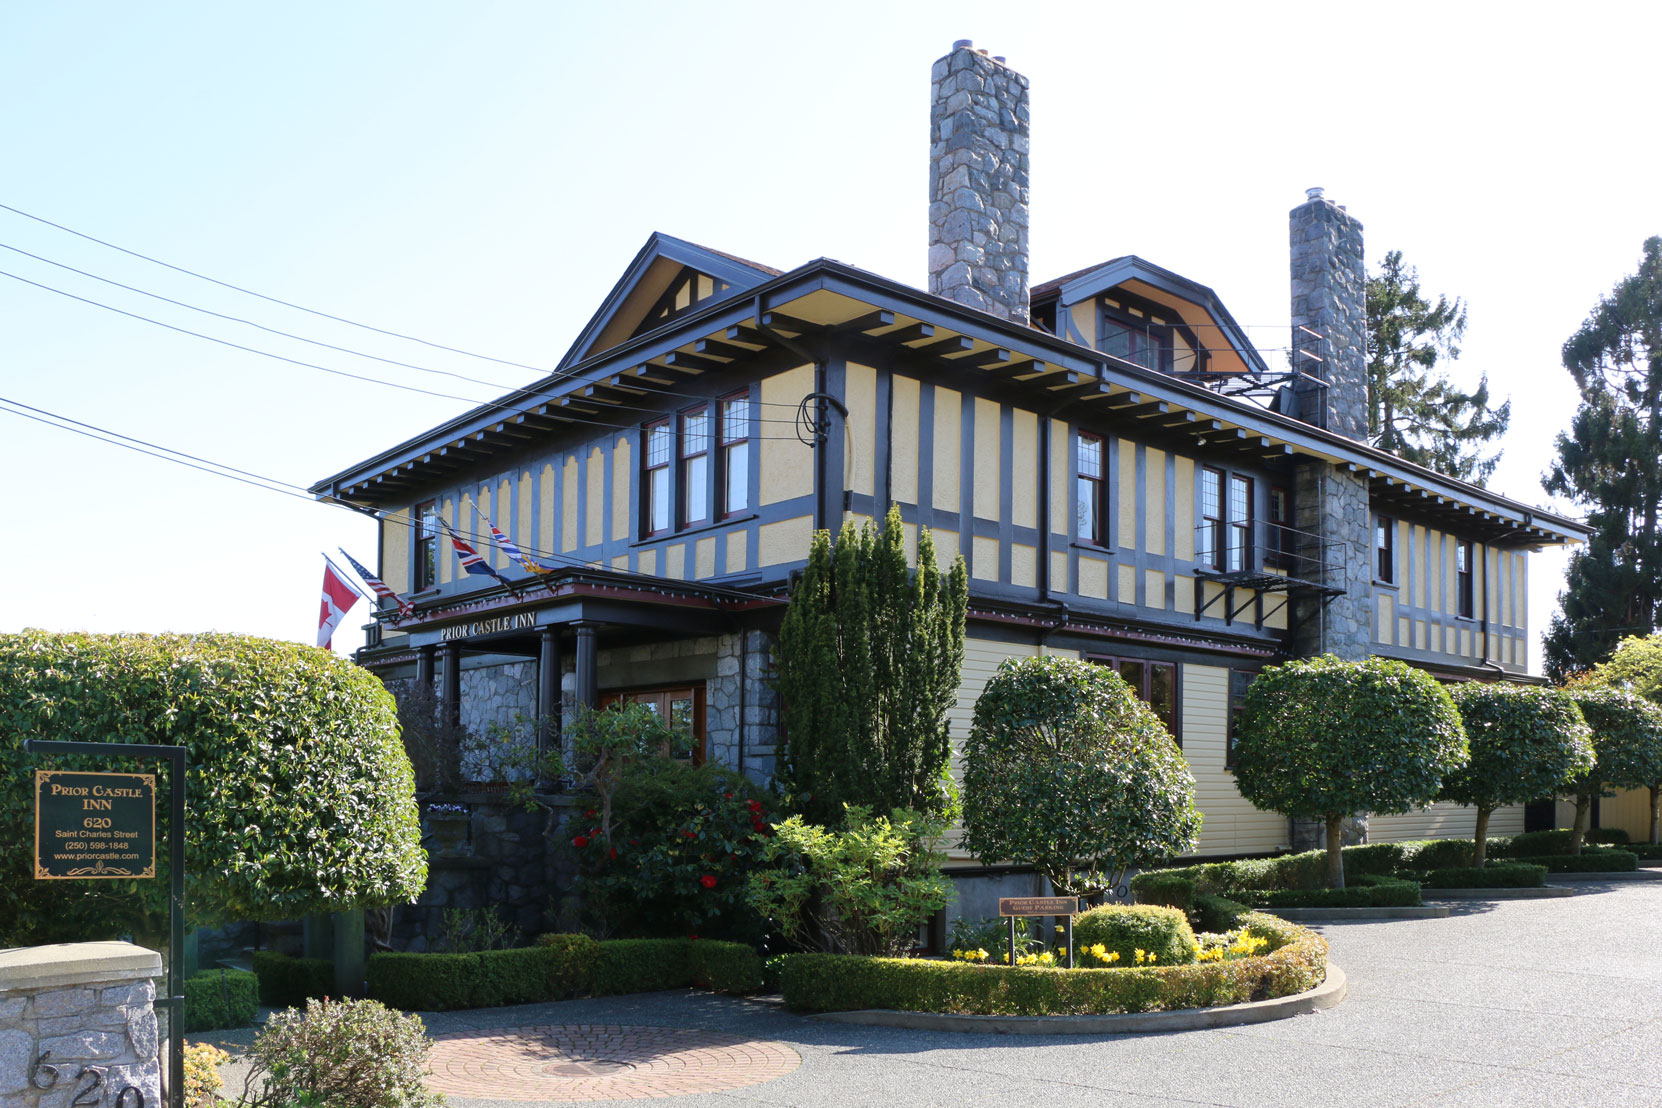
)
(1294, 960)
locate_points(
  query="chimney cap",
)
(963, 43)
(1313, 193)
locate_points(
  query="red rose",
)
(634, 842)
(727, 796)
(708, 880)
(689, 834)
(591, 814)
(580, 841)
(759, 826)
(614, 852)
(755, 805)
(694, 938)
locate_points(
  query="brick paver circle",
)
(598, 1062)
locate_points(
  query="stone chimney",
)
(1330, 315)
(978, 151)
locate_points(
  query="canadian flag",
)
(338, 598)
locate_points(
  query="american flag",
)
(378, 586)
(472, 560)
(515, 553)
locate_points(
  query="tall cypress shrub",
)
(867, 667)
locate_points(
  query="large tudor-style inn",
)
(1127, 478)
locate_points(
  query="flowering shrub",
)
(683, 841)
(202, 1081)
(344, 1052)
(1140, 934)
(990, 935)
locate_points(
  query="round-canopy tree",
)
(299, 796)
(1637, 667)
(1627, 738)
(1067, 770)
(1526, 742)
(1323, 738)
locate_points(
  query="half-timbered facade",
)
(1125, 477)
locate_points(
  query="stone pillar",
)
(761, 708)
(978, 191)
(72, 1007)
(588, 669)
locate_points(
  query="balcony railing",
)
(1265, 558)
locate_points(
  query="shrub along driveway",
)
(1554, 1003)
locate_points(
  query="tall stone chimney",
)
(1330, 321)
(978, 164)
(1330, 315)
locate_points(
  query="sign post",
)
(1064, 906)
(91, 826)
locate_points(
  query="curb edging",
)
(1330, 992)
(1541, 892)
(1342, 915)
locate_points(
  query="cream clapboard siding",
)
(1442, 821)
(1232, 825)
(1628, 810)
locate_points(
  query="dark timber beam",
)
(957, 344)
(783, 322)
(871, 321)
(912, 332)
(677, 360)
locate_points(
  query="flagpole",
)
(350, 579)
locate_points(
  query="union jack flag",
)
(378, 586)
(515, 553)
(472, 560)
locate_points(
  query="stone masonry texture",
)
(54, 1041)
(978, 183)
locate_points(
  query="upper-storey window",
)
(1463, 578)
(1091, 523)
(426, 545)
(1280, 539)
(1384, 550)
(695, 466)
(660, 447)
(1224, 538)
(735, 454)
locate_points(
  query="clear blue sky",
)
(477, 175)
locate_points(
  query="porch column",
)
(451, 696)
(548, 690)
(588, 676)
(424, 668)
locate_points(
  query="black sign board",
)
(94, 825)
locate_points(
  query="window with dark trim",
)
(681, 707)
(1239, 680)
(1223, 541)
(1384, 550)
(734, 435)
(695, 466)
(426, 545)
(1280, 538)
(659, 446)
(1463, 578)
(1139, 338)
(1155, 683)
(1092, 522)
(1209, 536)
(1239, 523)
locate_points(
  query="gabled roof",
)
(646, 278)
(1083, 284)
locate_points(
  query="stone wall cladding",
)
(496, 694)
(1329, 286)
(978, 183)
(108, 1024)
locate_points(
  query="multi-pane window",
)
(1384, 550)
(1463, 578)
(1091, 520)
(735, 455)
(1239, 522)
(660, 447)
(1155, 683)
(426, 545)
(695, 466)
(1239, 680)
(1280, 538)
(1209, 536)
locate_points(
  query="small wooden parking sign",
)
(91, 826)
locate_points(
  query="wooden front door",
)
(681, 705)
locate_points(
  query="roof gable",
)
(668, 275)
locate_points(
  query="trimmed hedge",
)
(1645, 852)
(1612, 836)
(1368, 892)
(287, 982)
(1163, 887)
(220, 998)
(560, 967)
(1588, 861)
(1160, 931)
(1495, 875)
(1295, 962)
(1532, 844)
(1216, 913)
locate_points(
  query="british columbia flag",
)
(472, 560)
(378, 586)
(514, 552)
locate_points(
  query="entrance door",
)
(682, 706)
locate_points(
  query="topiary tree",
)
(1526, 741)
(867, 667)
(1066, 770)
(1323, 738)
(299, 795)
(1627, 739)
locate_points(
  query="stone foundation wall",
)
(77, 1026)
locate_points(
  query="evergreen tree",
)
(1611, 461)
(1414, 410)
(867, 667)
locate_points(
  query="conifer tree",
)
(867, 667)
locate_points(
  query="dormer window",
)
(1131, 332)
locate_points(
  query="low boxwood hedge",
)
(1163, 887)
(220, 998)
(1592, 860)
(1368, 892)
(560, 967)
(1495, 875)
(288, 982)
(1216, 913)
(1296, 960)
(1645, 852)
